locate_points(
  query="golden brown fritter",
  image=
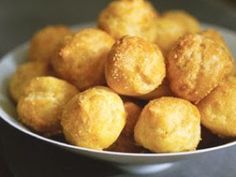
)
(23, 76)
(168, 124)
(40, 106)
(218, 109)
(45, 41)
(196, 65)
(81, 57)
(186, 20)
(128, 17)
(94, 118)
(125, 142)
(134, 66)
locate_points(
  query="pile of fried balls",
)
(138, 81)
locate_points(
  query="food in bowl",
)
(97, 81)
(40, 105)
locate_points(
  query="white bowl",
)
(133, 162)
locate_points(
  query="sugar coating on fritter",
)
(45, 41)
(128, 17)
(162, 90)
(125, 142)
(23, 76)
(94, 118)
(196, 65)
(167, 32)
(168, 124)
(190, 23)
(80, 58)
(218, 109)
(40, 106)
(134, 66)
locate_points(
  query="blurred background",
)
(23, 156)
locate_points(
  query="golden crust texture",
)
(94, 118)
(40, 106)
(125, 142)
(167, 32)
(134, 66)
(45, 41)
(168, 124)
(217, 37)
(81, 57)
(196, 65)
(128, 17)
(187, 21)
(162, 90)
(23, 76)
(218, 109)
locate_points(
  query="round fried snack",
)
(40, 106)
(168, 124)
(218, 109)
(167, 32)
(128, 17)
(94, 118)
(186, 20)
(81, 58)
(125, 142)
(23, 76)
(162, 90)
(196, 65)
(134, 66)
(45, 41)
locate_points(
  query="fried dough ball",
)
(40, 106)
(128, 17)
(23, 76)
(218, 109)
(162, 90)
(134, 66)
(125, 142)
(168, 124)
(81, 58)
(45, 41)
(167, 32)
(94, 118)
(196, 65)
(186, 20)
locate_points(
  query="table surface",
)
(23, 156)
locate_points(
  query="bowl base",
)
(145, 169)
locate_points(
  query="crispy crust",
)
(80, 58)
(134, 66)
(94, 118)
(196, 65)
(23, 76)
(168, 124)
(40, 106)
(162, 90)
(218, 109)
(133, 17)
(45, 41)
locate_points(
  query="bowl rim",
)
(6, 118)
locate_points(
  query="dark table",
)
(23, 156)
